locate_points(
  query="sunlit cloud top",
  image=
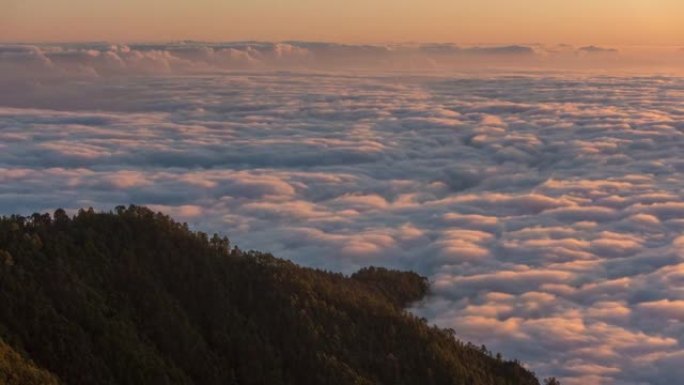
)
(579, 22)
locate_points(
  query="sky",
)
(524, 155)
(580, 22)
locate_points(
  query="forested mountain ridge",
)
(133, 297)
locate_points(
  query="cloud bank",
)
(104, 59)
(547, 210)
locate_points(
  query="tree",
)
(133, 297)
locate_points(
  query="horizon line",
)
(337, 42)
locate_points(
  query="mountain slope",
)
(132, 297)
(17, 370)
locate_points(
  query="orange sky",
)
(611, 22)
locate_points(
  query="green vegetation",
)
(132, 297)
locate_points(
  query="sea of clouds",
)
(546, 208)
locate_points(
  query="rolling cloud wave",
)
(546, 209)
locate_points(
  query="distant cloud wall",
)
(103, 59)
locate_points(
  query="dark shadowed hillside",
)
(133, 297)
(17, 370)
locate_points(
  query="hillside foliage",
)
(133, 297)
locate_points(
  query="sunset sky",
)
(615, 22)
(524, 155)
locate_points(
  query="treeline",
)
(133, 297)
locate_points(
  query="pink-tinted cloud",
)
(546, 209)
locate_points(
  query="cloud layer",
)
(547, 210)
(102, 59)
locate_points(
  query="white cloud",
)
(546, 210)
